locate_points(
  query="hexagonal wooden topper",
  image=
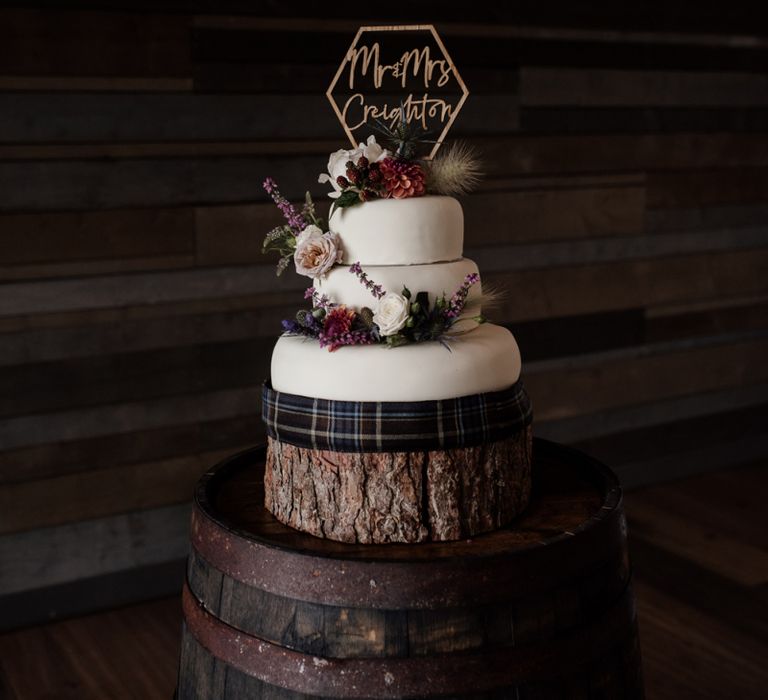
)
(410, 59)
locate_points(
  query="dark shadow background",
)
(625, 212)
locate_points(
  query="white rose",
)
(392, 313)
(337, 162)
(337, 165)
(316, 252)
(371, 150)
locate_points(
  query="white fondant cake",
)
(401, 241)
(482, 360)
(394, 413)
(410, 231)
(436, 279)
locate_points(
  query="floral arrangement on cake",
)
(398, 319)
(359, 175)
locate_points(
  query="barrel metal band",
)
(395, 426)
(408, 676)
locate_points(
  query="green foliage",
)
(280, 240)
(396, 340)
(346, 199)
(282, 264)
(309, 212)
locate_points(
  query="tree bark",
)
(399, 496)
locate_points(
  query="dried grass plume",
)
(456, 170)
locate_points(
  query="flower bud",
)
(353, 176)
(349, 165)
(415, 307)
(318, 313)
(410, 323)
(362, 162)
(342, 182)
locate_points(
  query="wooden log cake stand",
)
(542, 608)
(399, 496)
(372, 472)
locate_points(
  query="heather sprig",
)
(358, 337)
(296, 221)
(459, 298)
(375, 289)
(318, 301)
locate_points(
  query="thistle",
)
(403, 137)
(455, 171)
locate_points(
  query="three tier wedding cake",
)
(394, 412)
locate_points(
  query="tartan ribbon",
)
(394, 426)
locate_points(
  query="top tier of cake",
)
(413, 231)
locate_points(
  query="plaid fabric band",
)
(408, 426)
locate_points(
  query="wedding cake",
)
(394, 411)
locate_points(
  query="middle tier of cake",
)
(342, 286)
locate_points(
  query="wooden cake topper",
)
(394, 74)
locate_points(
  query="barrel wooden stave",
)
(614, 676)
(555, 590)
(349, 631)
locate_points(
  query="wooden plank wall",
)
(625, 212)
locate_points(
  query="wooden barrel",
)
(541, 609)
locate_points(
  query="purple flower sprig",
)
(295, 220)
(369, 284)
(459, 298)
(318, 301)
(359, 337)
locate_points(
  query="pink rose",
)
(316, 252)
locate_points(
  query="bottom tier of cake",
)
(418, 496)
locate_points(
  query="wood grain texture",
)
(71, 659)
(652, 376)
(49, 556)
(600, 88)
(139, 233)
(84, 423)
(59, 459)
(52, 42)
(129, 378)
(132, 487)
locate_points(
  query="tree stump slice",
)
(380, 497)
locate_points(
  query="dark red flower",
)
(402, 178)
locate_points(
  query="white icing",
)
(485, 359)
(409, 231)
(343, 287)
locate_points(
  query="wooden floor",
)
(700, 551)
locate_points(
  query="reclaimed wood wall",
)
(625, 212)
